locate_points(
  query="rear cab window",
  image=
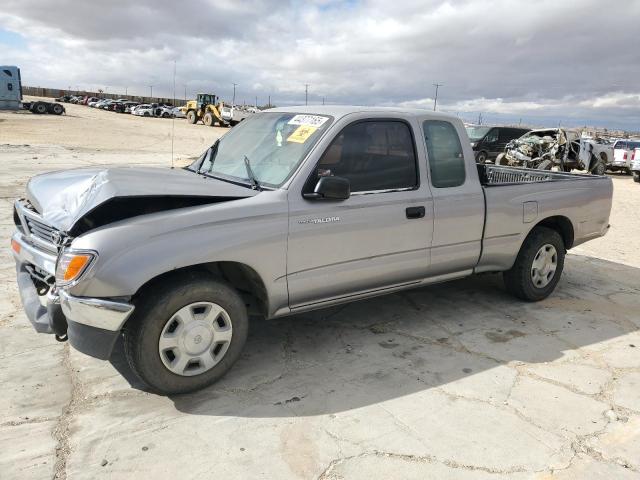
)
(374, 155)
(445, 156)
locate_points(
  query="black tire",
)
(57, 109)
(599, 168)
(192, 118)
(165, 115)
(40, 108)
(481, 158)
(636, 177)
(208, 119)
(518, 280)
(545, 165)
(156, 307)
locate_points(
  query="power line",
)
(435, 100)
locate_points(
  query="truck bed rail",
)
(503, 175)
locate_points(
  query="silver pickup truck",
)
(294, 209)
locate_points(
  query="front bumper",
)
(92, 324)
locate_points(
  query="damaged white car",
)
(552, 147)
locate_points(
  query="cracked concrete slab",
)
(454, 381)
(627, 391)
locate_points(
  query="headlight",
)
(72, 265)
(473, 144)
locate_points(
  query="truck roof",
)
(338, 111)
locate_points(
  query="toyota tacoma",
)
(295, 209)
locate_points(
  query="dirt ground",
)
(454, 381)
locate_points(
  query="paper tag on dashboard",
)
(308, 120)
(301, 134)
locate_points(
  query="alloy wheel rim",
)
(544, 266)
(195, 338)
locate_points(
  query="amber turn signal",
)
(71, 265)
(15, 246)
(76, 265)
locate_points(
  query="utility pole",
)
(256, 102)
(233, 102)
(126, 91)
(185, 93)
(269, 101)
(435, 100)
(151, 91)
(480, 118)
(322, 100)
(306, 94)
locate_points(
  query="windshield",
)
(274, 143)
(476, 133)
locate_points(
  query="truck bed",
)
(494, 175)
(518, 199)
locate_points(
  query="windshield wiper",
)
(250, 174)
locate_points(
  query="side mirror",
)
(330, 188)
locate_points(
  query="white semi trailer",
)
(11, 94)
(10, 88)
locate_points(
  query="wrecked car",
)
(552, 147)
(295, 209)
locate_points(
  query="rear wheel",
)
(57, 109)
(538, 266)
(481, 158)
(636, 177)
(192, 118)
(208, 119)
(184, 338)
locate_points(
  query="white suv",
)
(635, 164)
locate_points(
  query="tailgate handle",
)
(415, 212)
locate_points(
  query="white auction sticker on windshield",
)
(308, 120)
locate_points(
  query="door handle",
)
(415, 212)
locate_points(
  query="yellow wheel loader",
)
(207, 109)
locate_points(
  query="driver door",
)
(377, 238)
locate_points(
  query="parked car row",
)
(123, 105)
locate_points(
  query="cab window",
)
(446, 160)
(372, 155)
(492, 136)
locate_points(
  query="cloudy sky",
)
(543, 61)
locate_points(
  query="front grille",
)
(31, 224)
(41, 230)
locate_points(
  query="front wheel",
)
(636, 177)
(501, 159)
(192, 118)
(599, 168)
(545, 165)
(208, 119)
(185, 335)
(538, 266)
(481, 158)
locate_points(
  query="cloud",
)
(541, 60)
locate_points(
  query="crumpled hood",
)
(63, 198)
